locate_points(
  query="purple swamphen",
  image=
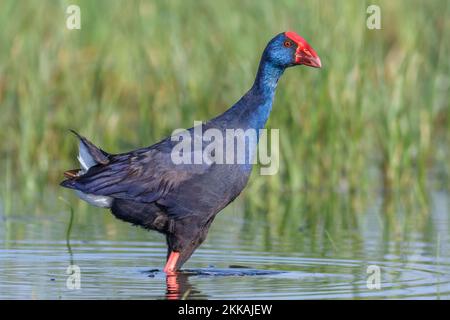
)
(146, 188)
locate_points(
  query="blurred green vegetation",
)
(372, 124)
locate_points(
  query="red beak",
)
(304, 54)
(311, 61)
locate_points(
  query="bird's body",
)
(145, 187)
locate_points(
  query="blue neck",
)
(267, 78)
(265, 86)
(253, 109)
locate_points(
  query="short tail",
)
(88, 156)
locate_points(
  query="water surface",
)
(241, 259)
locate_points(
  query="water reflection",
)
(248, 254)
(179, 287)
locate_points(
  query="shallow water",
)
(117, 260)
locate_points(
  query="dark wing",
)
(144, 175)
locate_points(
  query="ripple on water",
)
(120, 270)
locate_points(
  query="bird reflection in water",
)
(178, 287)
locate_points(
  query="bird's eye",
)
(287, 44)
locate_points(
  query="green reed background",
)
(372, 124)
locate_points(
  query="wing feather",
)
(144, 175)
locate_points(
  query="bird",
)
(145, 187)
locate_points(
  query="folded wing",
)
(144, 175)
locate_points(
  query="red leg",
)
(171, 262)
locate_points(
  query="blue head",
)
(285, 50)
(289, 49)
